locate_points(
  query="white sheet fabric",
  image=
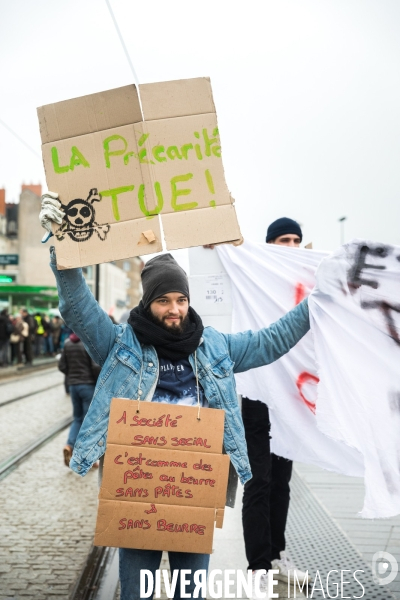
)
(353, 427)
(355, 318)
(267, 282)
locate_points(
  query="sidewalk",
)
(342, 498)
(229, 550)
(323, 534)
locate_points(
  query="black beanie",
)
(162, 275)
(281, 227)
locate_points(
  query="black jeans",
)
(266, 496)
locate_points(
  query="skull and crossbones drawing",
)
(79, 222)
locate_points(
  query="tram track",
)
(45, 417)
(24, 372)
(32, 373)
(49, 387)
(13, 461)
(98, 579)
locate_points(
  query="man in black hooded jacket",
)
(82, 373)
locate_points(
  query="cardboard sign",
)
(164, 473)
(159, 476)
(167, 426)
(127, 525)
(118, 171)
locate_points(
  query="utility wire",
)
(135, 77)
(20, 139)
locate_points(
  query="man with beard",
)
(163, 354)
(176, 382)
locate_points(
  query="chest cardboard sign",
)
(120, 164)
(165, 477)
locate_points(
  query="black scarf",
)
(167, 345)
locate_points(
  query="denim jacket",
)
(130, 369)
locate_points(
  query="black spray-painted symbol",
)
(356, 276)
(79, 222)
(386, 309)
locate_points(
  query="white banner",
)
(267, 282)
(355, 317)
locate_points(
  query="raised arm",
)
(252, 349)
(82, 313)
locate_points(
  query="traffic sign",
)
(9, 259)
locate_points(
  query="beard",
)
(175, 328)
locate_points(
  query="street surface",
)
(342, 497)
(22, 421)
(47, 513)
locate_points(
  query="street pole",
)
(341, 221)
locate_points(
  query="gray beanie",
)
(162, 275)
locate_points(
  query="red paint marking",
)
(301, 380)
(300, 293)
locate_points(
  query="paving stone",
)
(17, 585)
(5, 568)
(47, 513)
(44, 409)
(24, 574)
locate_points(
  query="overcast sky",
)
(307, 95)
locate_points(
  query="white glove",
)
(51, 212)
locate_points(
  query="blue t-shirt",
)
(177, 383)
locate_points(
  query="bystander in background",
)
(19, 332)
(82, 373)
(27, 339)
(56, 323)
(5, 332)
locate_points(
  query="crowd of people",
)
(25, 336)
